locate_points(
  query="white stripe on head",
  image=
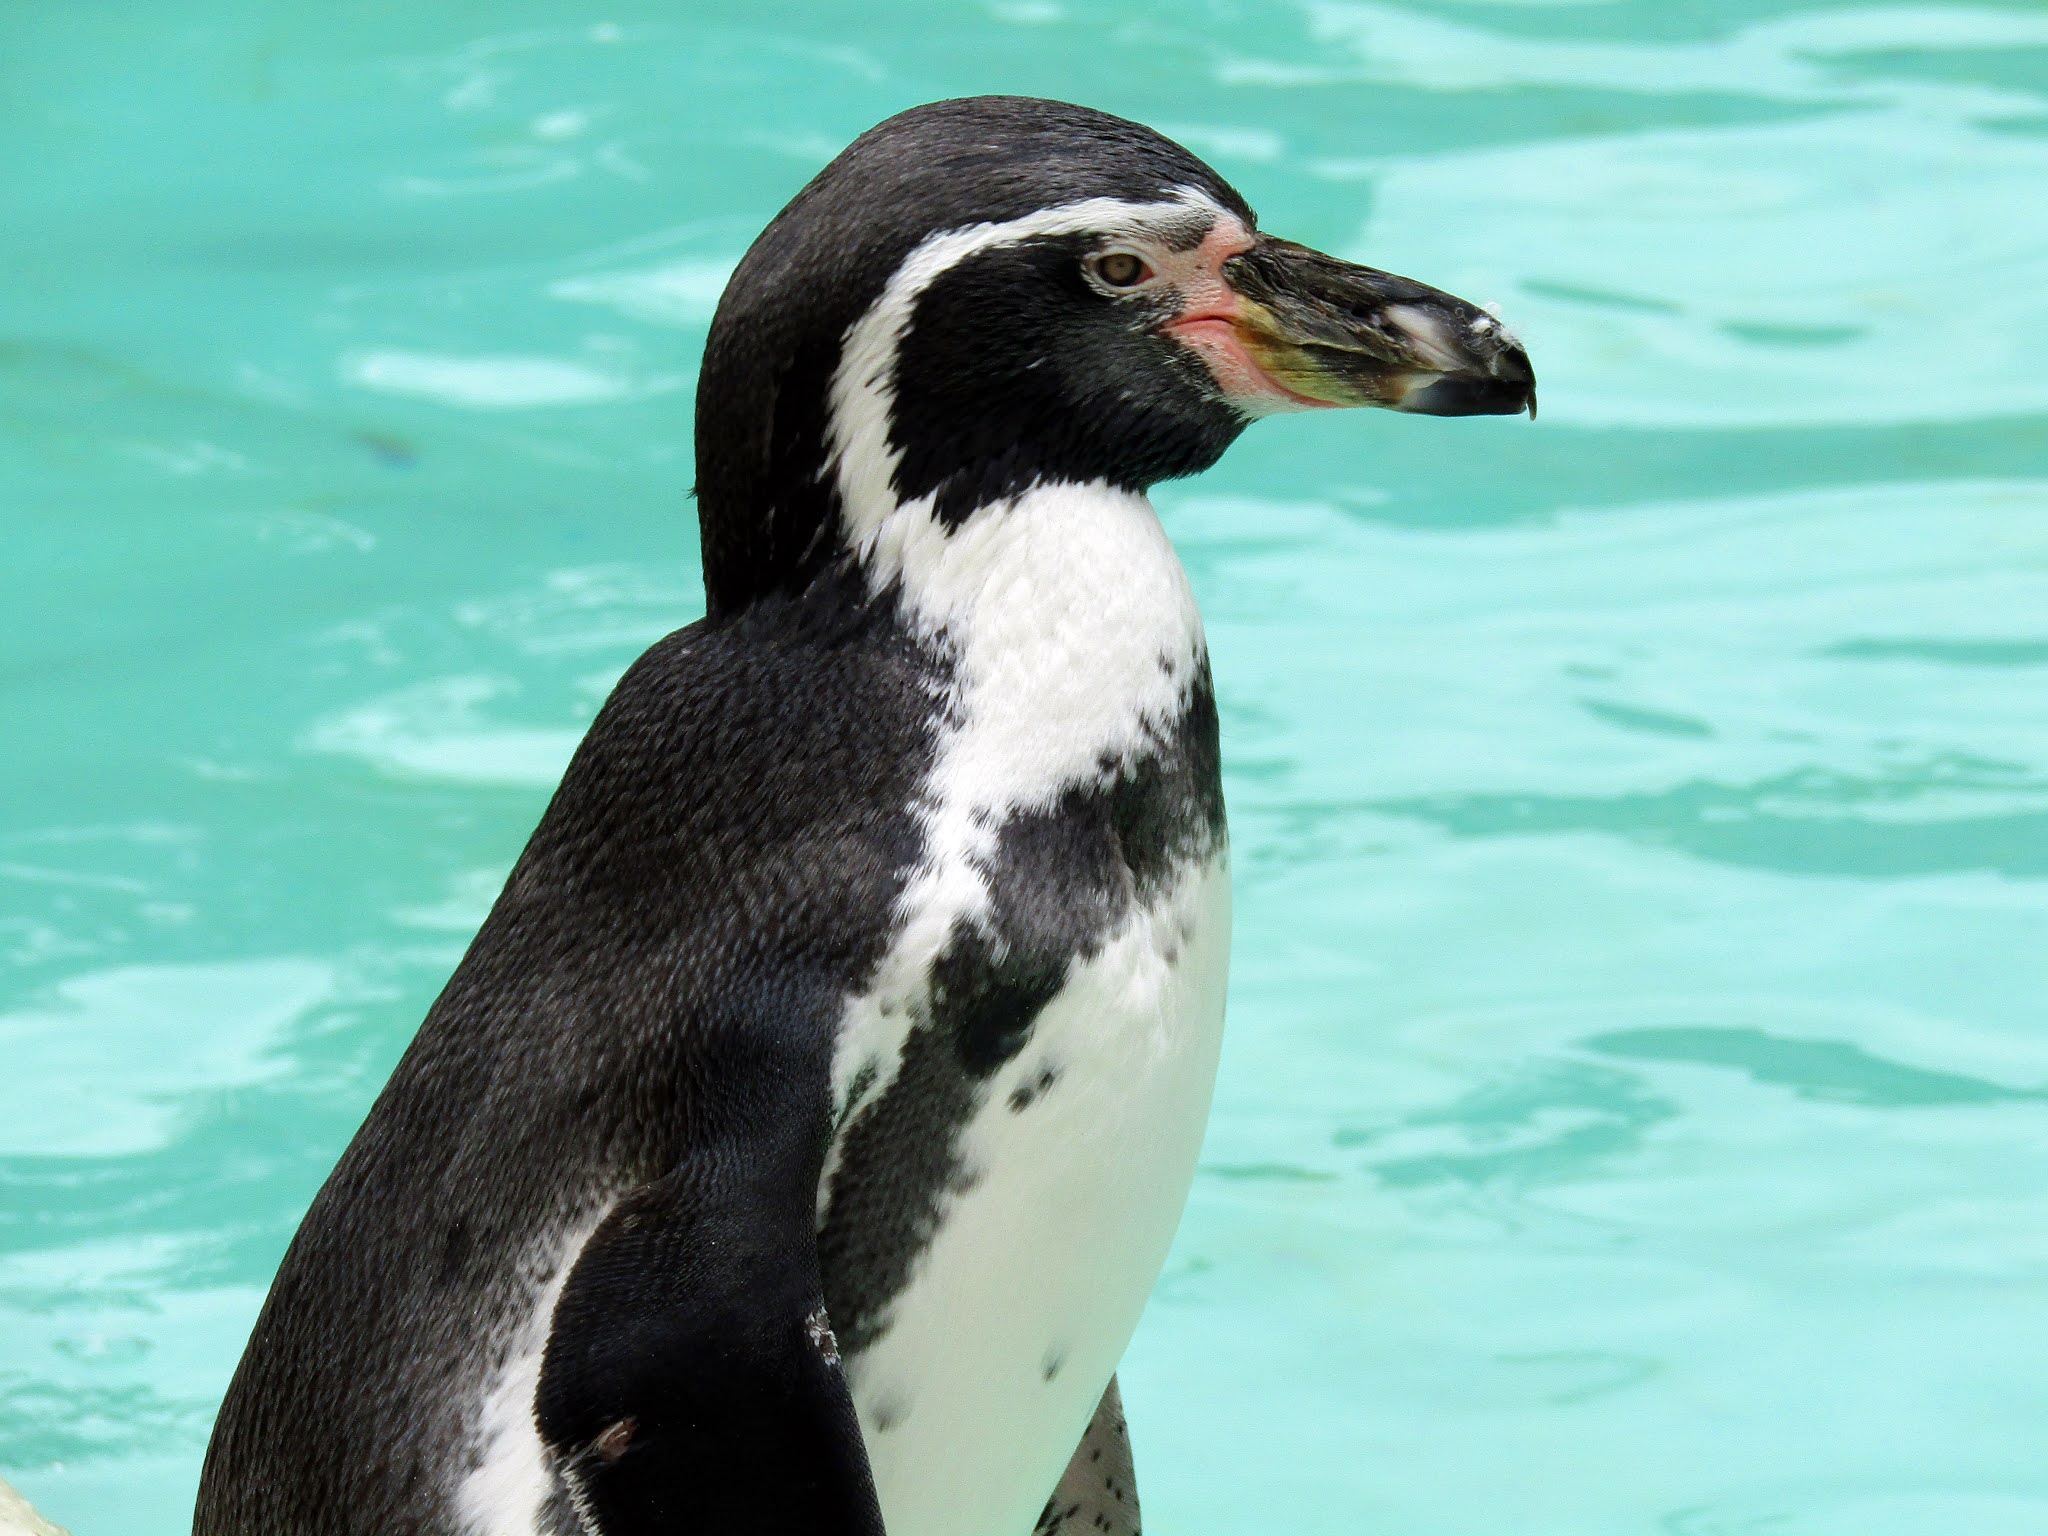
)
(862, 397)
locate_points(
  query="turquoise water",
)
(1635, 1115)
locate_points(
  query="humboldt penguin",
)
(796, 1145)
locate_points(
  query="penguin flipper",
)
(691, 1380)
(1098, 1495)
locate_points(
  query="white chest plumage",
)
(1074, 643)
(1017, 1313)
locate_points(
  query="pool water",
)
(1635, 1111)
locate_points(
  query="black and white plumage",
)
(797, 1143)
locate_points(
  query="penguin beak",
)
(1323, 332)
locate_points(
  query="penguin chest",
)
(999, 1213)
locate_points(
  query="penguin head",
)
(987, 295)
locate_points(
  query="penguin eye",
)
(1119, 269)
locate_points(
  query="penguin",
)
(796, 1145)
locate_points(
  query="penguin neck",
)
(1064, 624)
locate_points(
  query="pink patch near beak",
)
(1210, 326)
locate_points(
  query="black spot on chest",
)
(985, 995)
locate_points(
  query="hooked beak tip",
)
(1477, 367)
(1485, 382)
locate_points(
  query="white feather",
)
(1073, 635)
(17, 1519)
(506, 1488)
